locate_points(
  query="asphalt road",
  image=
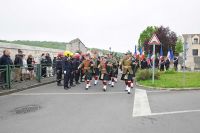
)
(94, 111)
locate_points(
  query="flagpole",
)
(153, 63)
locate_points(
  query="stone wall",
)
(27, 50)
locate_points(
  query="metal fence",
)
(12, 74)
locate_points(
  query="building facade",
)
(76, 45)
(193, 50)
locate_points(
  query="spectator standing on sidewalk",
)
(54, 66)
(49, 64)
(43, 65)
(18, 64)
(30, 62)
(4, 60)
(24, 68)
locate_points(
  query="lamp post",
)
(185, 48)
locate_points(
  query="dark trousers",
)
(72, 78)
(77, 75)
(59, 76)
(66, 79)
(81, 76)
(176, 67)
(44, 71)
(3, 77)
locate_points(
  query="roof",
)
(76, 40)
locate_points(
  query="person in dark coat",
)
(43, 65)
(67, 68)
(176, 63)
(162, 64)
(144, 64)
(76, 65)
(54, 65)
(157, 62)
(167, 63)
(4, 60)
(49, 64)
(73, 64)
(30, 62)
(59, 69)
(18, 62)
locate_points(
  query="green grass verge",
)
(175, 80)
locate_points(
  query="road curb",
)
(169, 89)
(7, 92)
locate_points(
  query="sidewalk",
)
(16, 87)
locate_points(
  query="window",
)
(196, 41)
(195, 52)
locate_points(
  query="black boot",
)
(59, 84)
(78, 83)
(67, 87)
(72, 85)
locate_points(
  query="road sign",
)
(154, 40)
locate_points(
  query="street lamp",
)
(185, 49)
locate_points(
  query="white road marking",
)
(159, 91)
(174, 112)
(141, 104)
(38, 94)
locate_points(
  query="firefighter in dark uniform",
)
(76, 63)
(127, 74)
(67, 69)
(73, 64)
(58, 66)
(87, 65)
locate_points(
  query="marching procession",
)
(86, 67)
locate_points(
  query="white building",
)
(193, 50)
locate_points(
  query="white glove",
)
(65, 72)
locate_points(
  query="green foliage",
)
(146, 35)
(146, 74)
(179, 46)
(170, 71)
(176, 80)
(46, 44)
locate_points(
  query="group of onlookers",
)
(161, 63)
(24, 67)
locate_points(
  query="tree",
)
(179, 46)
(146, 35)
(167, 38)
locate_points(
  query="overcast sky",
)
(98, 23)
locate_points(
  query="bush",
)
(146, 74)
(170, 71)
